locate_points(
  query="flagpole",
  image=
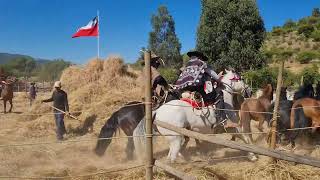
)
(98, 38)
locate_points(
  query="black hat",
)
(155, 60)
(198, 54)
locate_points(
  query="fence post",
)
(276, 107)
(148, 125)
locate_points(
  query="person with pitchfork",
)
(60, 108)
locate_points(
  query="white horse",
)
(182, 114)
(235, 88)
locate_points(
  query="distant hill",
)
(301, 37)
(6, 57)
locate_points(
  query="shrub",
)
(316, 35)
(313, 20)
(306, 29)
(307, 45)
(170, 74)
(306, 56)
(265, 76)
(261, 77)
(290, 24)
(277, 31)
(316, 46)
(310, 74)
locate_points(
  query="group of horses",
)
(236, 96)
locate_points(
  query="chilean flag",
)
(91, 29)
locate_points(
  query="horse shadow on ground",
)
(84, 128)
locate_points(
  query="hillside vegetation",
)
(301, 38)
(296, 42)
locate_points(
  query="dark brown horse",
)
(7, 93)
(250, 109)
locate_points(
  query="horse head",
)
(233, 81)
(267, 92)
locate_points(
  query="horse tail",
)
(106, 131)
(139, 137)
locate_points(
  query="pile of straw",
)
(101, 86)
(98, 88)
(282, 170)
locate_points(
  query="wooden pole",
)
(244, 147)
(173, 171)
(148, 125)
(276, 108)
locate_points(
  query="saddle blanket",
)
(194, 103)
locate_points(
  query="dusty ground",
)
(77, 158)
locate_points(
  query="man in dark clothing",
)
(196, 77)
(32, 92)
(60, 101)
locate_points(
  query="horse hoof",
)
(252, 157)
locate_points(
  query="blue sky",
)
(43, 28)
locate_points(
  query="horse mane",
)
(283, 93)
(304, 91)
(267, 92)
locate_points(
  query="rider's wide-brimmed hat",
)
(155, 59)
(198, 54)
(57, 84)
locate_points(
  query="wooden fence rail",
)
(244, 147)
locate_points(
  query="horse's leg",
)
(4, 106)
(184, 145)
(198, 143)
(130, 144)
(175, 146)
(261, 121)
(10, 101)
(130, 148)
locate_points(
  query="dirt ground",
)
(74, 160)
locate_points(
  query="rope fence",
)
(141, 136)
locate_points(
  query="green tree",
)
(316, 12)
(52, 70)
(163, 40)
(231, 33)
(21, 67)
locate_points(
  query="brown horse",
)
(7, 93)
(311, 110)
(250, 108)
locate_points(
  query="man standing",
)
(32, 92)
(60, 102)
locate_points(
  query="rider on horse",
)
(196, 77)
(158, 84)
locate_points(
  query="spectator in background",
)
(32, 93)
